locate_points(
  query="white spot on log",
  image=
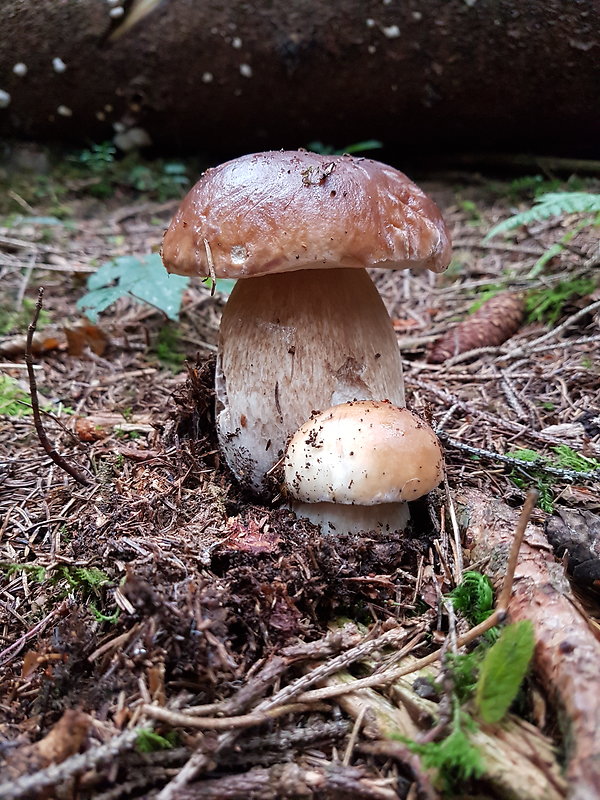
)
(64, 111)
(391, 32)
(246, 70)
(20, 69)
(207, 77)
(4, 99)
(58, 65)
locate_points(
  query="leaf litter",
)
(165, 586)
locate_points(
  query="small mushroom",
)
(355, 466)
(304, 327)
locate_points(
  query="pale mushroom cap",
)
(363, 453)
(281, 211)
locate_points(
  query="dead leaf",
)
(100, 426)
(251, 537)
(64, 740)
(85, 335)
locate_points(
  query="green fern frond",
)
(551, 204)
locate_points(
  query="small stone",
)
(4, 99)
(58, 65)
(20, 69)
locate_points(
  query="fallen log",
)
(567, 651)
(247, 76)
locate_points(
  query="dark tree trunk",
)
(239, 75)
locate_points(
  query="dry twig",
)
(35, 405)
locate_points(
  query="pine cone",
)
(492, 324)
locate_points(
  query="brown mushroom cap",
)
(281, 211)
(363, 453)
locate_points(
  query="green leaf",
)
(551, 204)
(143, 278)
(149, 742)
(503, 669)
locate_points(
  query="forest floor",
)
(159, 614)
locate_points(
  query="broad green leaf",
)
(142, 278)
(503, 669)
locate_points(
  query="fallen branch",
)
(567, 652)
(293, 780)
(74, 472)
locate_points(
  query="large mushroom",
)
(355, 466)
(304, 327)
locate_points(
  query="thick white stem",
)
(293, 344)
(336, 518)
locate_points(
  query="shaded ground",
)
(162, 582)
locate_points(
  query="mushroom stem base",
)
(337, 518)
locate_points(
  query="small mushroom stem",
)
(336, 518)
(293, 344)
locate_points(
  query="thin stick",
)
(504, 596)
(35, 405)
(568, 474)
(211, 267)
(354, 736)
(177, 719)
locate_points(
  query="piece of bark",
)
(577, 533)
(567, 653)
(497, 320)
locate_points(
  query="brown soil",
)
(202, 588)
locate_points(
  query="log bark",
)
(567, 651)
(239, 76)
